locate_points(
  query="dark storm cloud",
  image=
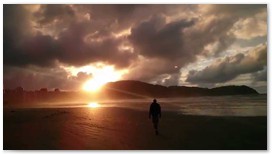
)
(214, 31)
(118, 17)
(177, 43)
(153, 38)
(34, 78)
(180, 41)
(20, 47)
(39, 50)
(77, 51)
(15, 28)
(162, 36)
(156, 39)
(230, 67)
(163, 45)
(118, 13)
(16, 24)
(49, 13)
(70, 47)
(221, 20)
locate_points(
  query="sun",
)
(93, 85)
(101, 76)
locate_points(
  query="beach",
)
(86, 76)
(116, 128)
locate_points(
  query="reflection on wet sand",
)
(93, 105)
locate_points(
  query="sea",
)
(237, 105)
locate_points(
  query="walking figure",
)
(155, 113)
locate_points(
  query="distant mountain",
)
(120, 90)
(137, 89)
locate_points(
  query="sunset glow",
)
(82, 47)
(93, 105)
(101, 76)
(130, 76)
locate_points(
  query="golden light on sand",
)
(93, 105)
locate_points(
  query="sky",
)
(71, 46)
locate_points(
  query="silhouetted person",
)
(155, 113)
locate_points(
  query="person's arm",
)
(150, 112)
(160, 111)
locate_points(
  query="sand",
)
(111, 128)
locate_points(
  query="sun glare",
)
(93, 105)
(101, 77)
(101, 74)
(92, 85)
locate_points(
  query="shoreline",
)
(113, 128)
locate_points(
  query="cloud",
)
(78, 52)
(169, 80)
(179, 42)
(118, 17)
(148, 40)
(222, 25)
(251, 27)
(146, 69)
(251, 42)
(50, 13)
(234, 10)
(16, 27)
(155, 38)
(210, 31)
(33, 78)
(260, 75)
(230, 67)
(70, 46)
(156, 32)
(40, 50)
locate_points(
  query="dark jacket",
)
(155, 110)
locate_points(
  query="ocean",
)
(240, 105)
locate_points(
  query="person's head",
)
(154, 101)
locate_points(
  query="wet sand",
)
(111, 128)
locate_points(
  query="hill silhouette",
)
(137, 89)
(125, 89)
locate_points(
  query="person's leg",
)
(155, 124)
(156, 128)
